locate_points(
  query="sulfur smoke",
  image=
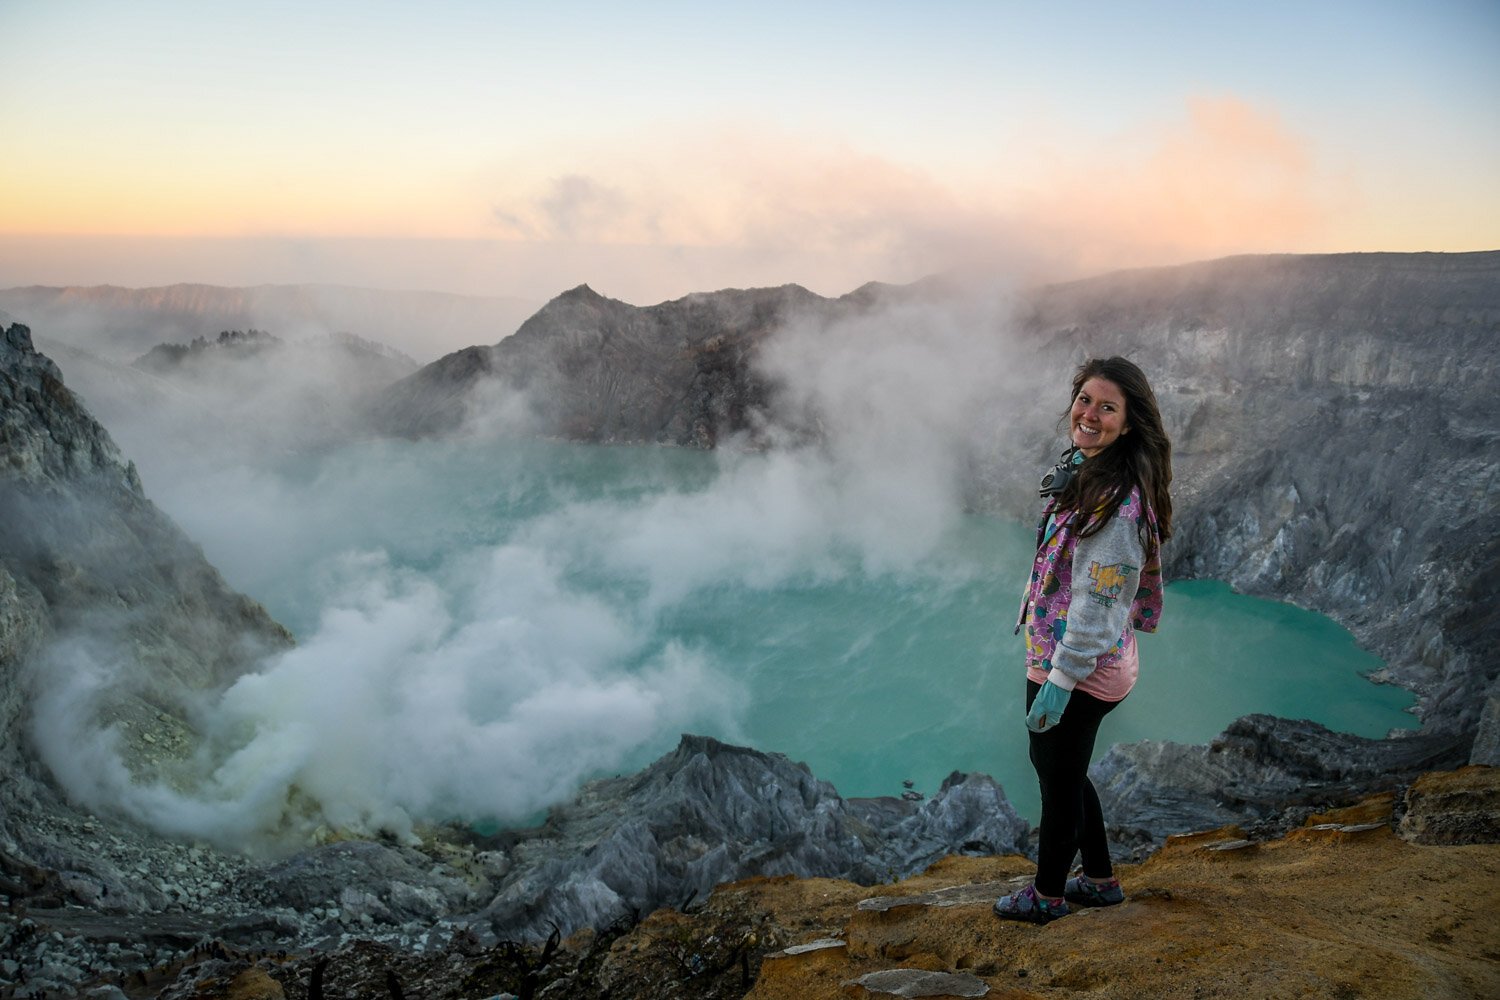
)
(476, 637)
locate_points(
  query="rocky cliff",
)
(1334, 443)
(591, 368)
(84, 555)
(108, 614)
(1333, 449)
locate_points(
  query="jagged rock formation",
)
(709, 813)
(84, 553)
(121, 323)
(1260, 770)
(87, 562)
(596, 369)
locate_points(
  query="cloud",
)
(1228, 177)
(488, 691)
(726, 187)
(1225, 176)
(573, 207)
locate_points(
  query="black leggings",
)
(1071, 818)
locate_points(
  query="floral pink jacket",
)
(1079, 623)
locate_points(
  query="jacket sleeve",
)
(1106, 575)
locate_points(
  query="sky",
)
(653, 149)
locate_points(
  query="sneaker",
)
(1027, 905)
(1086, 892)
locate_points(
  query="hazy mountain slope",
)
(595, 369)
(88, 568)
(123, 323)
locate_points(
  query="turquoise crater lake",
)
(873, 643)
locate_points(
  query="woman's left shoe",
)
(1030, 905)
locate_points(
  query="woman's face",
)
(1098, 416)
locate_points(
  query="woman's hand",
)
(1047, 708)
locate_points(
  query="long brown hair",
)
(1142, 456)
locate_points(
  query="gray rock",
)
(920, 983)
(84, 554)
(709, 813)
(1487, 735)
(1253, 771)
(1334, 447)
(362, 878)
(597, 369)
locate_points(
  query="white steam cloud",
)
(460, 663)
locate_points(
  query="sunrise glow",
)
(643, 147)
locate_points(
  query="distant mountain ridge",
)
(591, 368)
(122, 323)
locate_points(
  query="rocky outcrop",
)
(88, 563)
(709, 813)
(1260, 770)
(592, 368)
(233, 399)
(83, 544)
(366, 362)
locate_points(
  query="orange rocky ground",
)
(1344, 908)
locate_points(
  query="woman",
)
(1095, 582)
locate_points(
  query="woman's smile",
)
(1098, 416)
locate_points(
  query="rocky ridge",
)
(83, 553)
(590, 368)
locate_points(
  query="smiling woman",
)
(1097, 416)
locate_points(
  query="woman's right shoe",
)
(1085, 891)
(1030, 905)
